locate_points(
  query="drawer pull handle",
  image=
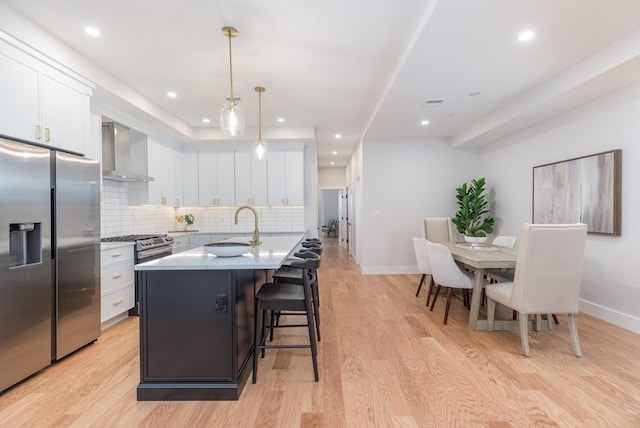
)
(116, 276)
(117, 302)
(116, 254)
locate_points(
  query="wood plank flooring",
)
(385, 361)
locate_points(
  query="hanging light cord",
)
(232, 99)
(260, 116)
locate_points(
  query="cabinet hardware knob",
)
(47, 133)
(116, 254)
(116, 276)
(117, 302)
(38, 132)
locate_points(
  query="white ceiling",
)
(361, 68)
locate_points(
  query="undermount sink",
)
(227, 249)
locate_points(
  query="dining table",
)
(479, 258)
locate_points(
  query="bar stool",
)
(293, 275)
(286, 297)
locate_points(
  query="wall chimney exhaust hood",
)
(124, 153)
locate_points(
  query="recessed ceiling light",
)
(475, 93)
(334, 152)
(338, 136)
(171, 94)
(525, 36)
(333, 163)
(424, 122)
(92, 31)
(206, 120)
(281, 119)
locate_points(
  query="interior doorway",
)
(330, 212)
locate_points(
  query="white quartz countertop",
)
(269, 255)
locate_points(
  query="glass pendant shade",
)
(260, 149)
(231, 120)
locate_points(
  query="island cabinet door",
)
(187, 326)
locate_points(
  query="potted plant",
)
(472, 220)
(189, 219)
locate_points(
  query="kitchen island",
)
(196, 320)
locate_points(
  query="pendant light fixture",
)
(231, 115)
(260, 145)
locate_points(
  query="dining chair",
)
(424, 265)
(501, 275)
(273, 297)
(547, 278)
(446, 273)
(436, 229)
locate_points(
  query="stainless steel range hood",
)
(124, 153)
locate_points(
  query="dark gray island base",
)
(197, 318)
(196, 333)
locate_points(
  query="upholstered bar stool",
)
(276, 297)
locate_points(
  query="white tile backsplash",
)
(118, 218)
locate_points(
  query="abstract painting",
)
(584, 189)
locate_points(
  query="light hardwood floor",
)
(385, 361)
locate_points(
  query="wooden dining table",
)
(478, 259)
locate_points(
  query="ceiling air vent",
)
(433, 103)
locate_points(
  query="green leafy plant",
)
(471, 218)
(189, 219)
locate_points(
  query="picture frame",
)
(586, 189)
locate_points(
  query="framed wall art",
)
(585, 189)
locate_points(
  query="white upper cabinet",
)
(190, 177)
(285, 176)
(163, 167)
(216, 177)
(251, 177)
(40, 103)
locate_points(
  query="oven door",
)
(153, 254)
(147, 256)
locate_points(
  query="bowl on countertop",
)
(227, 249)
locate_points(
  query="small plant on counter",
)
(471, 219)
(189, 219)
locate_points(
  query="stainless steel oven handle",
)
(154, 252)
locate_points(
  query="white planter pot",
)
(475, 239)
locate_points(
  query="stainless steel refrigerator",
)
(49, 257)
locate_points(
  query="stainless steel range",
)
(147, 248)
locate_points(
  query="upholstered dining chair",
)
(446, 273)
(424, 265)
(436, 229)
(547, 277)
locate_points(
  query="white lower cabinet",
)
(116, 281)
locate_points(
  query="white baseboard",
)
(626, 321)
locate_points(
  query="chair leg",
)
(550, 322)
(491, 312)
(573, 331)
(316, 310)
(514, 314)
(555, 319)
(435, 297)
(424, 275)
(312, 339)
(446, 309)
(263, 329)
(255, 341)
(524, 333)
(465, 298)
(430, 287)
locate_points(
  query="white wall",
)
(332, 178)
(402, 181)
(611, 286)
